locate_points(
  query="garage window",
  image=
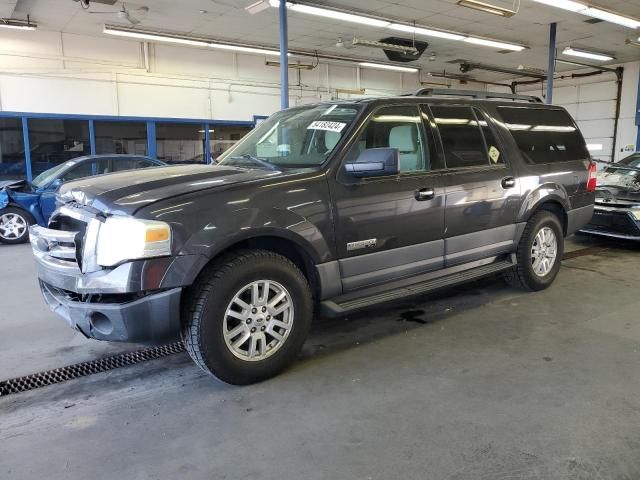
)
(54, 141)
(121, 137)
(545, 135)
(180, 142)
(12, 158)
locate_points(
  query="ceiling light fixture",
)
(382, 66)
(182, 40)
(496, 44)
(592, 11)
(257, 7)
(17, 24)
(601, 57)
(428, 32)
(385, 23)
(385, 46)
(487, 8)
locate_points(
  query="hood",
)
(12, 183)
(127, 192)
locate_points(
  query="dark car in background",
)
(617, 206)
(24, 203)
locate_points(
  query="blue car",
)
(25, 203)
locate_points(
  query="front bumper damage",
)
(137, 301)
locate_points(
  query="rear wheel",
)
(247, 317)
(14, 225)
(539, 253)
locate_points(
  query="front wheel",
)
(14, 225)
(539, 253)
(247, 316)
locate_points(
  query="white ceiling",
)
(227, 20)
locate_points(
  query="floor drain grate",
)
(63, 374)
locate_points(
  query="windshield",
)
(625, 174)
(299, 137)
(48, 175)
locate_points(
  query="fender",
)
(251, 223)
(28, 202)
(541, 194)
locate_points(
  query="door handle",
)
(426, 193)
(508, 182)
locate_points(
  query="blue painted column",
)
(92, 137)
(151, 140)
(207, 143)
(551, 69)
(27, 148)
(284, 56)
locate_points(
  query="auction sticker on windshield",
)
(326, 125)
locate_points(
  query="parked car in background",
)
(617, 207)
(24, 203)
(332, 207)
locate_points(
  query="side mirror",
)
(375, 162)
(54, 185)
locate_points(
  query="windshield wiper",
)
(257, 160)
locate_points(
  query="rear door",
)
(389, 228)
(481, 193)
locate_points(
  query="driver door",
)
(391, 227)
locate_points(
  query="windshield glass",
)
(625, 174)
(48, 175)
(299, 137)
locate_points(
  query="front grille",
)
(62, 244)
(614, 222)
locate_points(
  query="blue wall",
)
(150, 122)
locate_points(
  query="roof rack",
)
(441, 92)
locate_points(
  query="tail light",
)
(592, 181)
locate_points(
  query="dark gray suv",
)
(325, 208)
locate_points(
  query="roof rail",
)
(442, 92)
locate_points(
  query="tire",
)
(524, 274)
(213, 306)
(14, 225)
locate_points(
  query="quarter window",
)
(463, 134)
(544, 135)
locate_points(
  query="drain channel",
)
(63, 374)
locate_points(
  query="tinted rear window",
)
(544, 135)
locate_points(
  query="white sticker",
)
(494, 154)
(326, 125)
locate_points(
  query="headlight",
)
(636, 213)
(127, 238)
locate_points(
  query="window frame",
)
(475, 109)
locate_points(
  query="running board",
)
(335, 307)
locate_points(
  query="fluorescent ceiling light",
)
(426, 31)
(601, 57)
(611, 17)
(594, 12)
(383, 66)
(379, 22)
(337, 15)
(495, 44)
(17, 24)
(162, 37)
(487, 8)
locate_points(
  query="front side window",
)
(398, 127)
(296, 138)
(463, 133)
(544, 135)
(83, 170)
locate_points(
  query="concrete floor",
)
(481, 382)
